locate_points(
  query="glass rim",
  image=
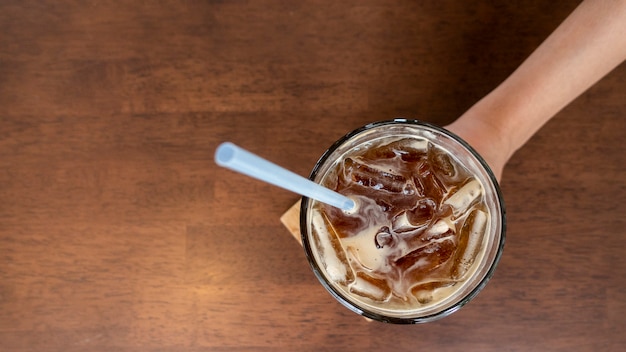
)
(339, 296)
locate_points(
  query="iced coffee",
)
(427, 229)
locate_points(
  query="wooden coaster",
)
(291, 220)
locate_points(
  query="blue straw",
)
(235, 158)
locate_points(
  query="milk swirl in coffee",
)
(417, 230)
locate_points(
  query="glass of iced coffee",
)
(428, 227)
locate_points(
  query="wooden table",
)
(119, 233)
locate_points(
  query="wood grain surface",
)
(119, 233)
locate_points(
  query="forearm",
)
(584, 48)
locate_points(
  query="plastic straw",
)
(237, 159)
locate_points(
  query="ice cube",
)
(331, 251)
(422, 213)
(415, 218)
(411, 241)
(370, 287)
(428, 257)
(344, 222)
(440, 161)
(429, 184)
(409, 149)
(415, 239)
(378, 179)
(463, 198)
(440, 229)
(424, 292)
(423, 262)
(470, 240)
(401, 223)
(411, 144)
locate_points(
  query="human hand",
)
(486, 139)
(584, 48)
